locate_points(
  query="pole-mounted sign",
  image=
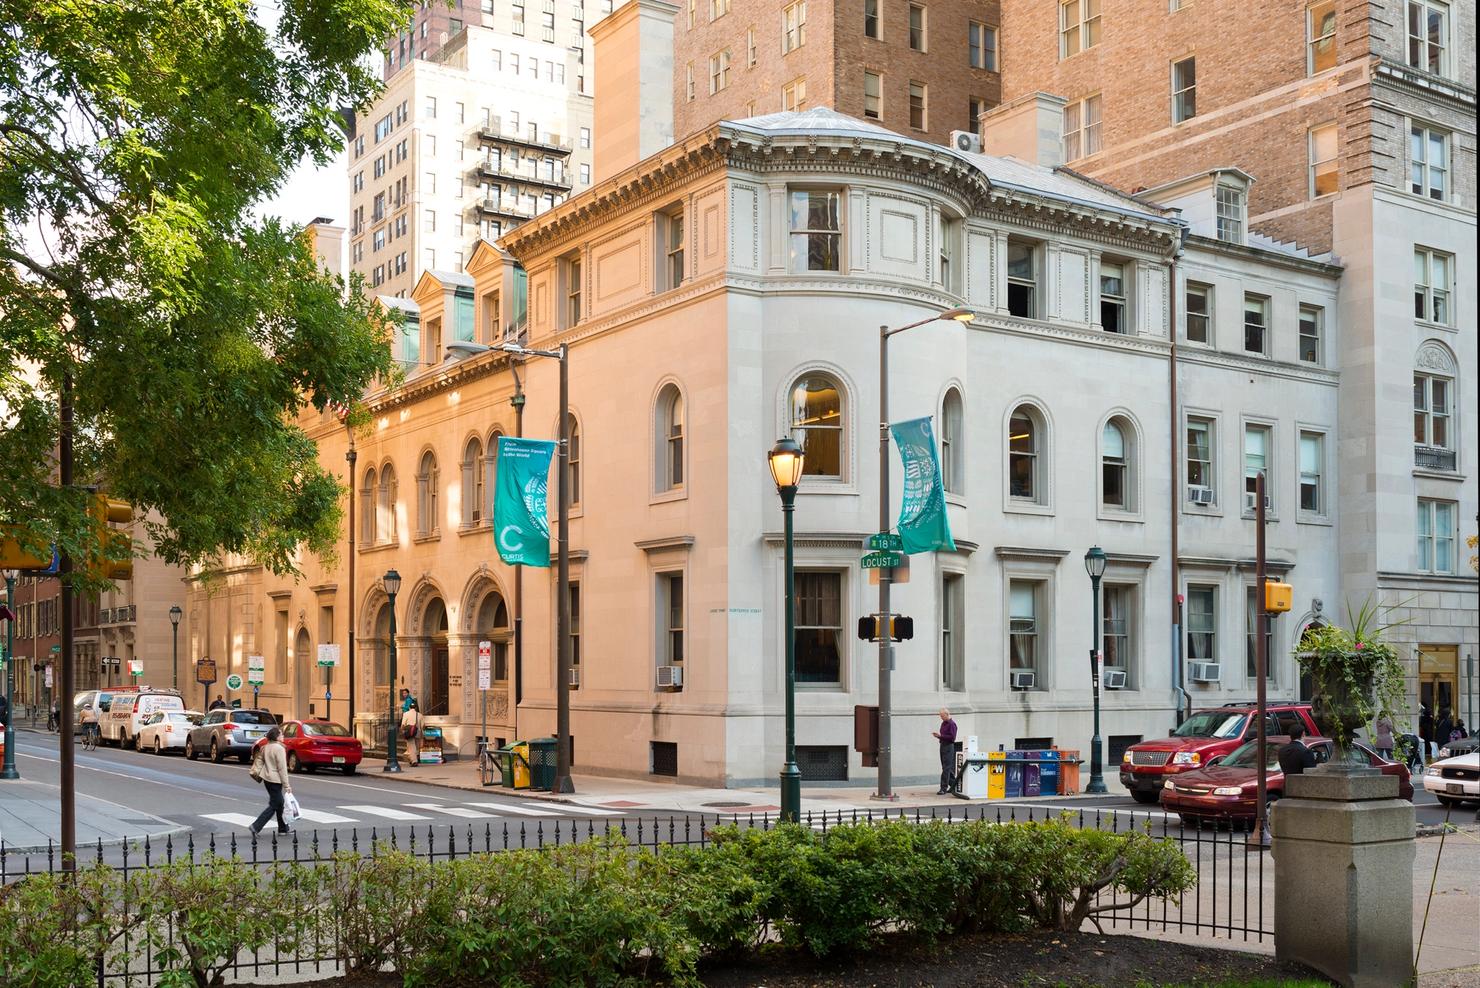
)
(205, 671)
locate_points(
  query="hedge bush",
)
(599, 913)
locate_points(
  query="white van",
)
(125, 714)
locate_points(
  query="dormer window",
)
(1232, 206)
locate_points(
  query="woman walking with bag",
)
(411, 731)
(270, 767)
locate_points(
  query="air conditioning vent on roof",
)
(965, 140)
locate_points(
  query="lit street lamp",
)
(175, 614)
(392, 584)
(786, 469)
(1094, 565)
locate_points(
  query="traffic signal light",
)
(901, 628)
(13, 556)
(113, 560)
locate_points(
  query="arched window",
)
(952, 443)
(1115, 470)
(573, 461)
(490, 473)
(367, 508)
(427, 482)
(669, 440)
(473, 492)
(385, 506)
(817, 422)
(1434, 405)
(1026, 461)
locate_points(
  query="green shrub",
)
(54, 927)
(365, 903)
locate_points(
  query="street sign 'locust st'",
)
(881, 560)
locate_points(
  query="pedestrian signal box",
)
(1277, 597)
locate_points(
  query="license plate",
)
(338, 759)
(254, 734)
(1456, 788)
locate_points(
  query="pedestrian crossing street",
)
(422, 812)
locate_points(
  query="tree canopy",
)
(136, 139)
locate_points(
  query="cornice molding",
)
(1030, 554)
(818, 540)
(1262, 366)
(667, 542)
(1425, 85)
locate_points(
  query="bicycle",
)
(488, 768)
(89, 737)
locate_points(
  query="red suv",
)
(1207, 733)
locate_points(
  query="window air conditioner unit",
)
(1204, 672)
(965, 140)
(1114, 679)
(1023, 679)
(105, 616)
(575, 677)
(1199, 495)
(1249, 501)
(670, 677)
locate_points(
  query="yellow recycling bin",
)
(996, 774)
(521, 764)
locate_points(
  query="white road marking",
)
(451, 810)
(516, 810)
(235, 819)
(586, 810)
(387, 812)
(319, 816)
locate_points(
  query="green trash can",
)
(505, 756)
(542, 764)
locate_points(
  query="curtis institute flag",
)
(922, 516)
(521, 517)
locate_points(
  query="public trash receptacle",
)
(974, 776)
(505, 756)
(1068, 772)
(542, 764)
(996, 774)
(1014, 774)
(1048, 773)
(1031, 774)
(520, 752)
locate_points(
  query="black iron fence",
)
(1232, 900)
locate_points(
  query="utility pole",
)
(886, 646)
(68, 773)
(351, 456)
(1260, 837)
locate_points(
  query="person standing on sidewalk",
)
(270, 767)
(947, 738)
(411, 731)
(1382, 736)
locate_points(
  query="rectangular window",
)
(794, 94)
(1202, 624)
(1428, 35)
(1079, 26)
(1022, 282)
(688, 82)
(429, 221)
(1312, 468)
(575, 623)
(982, 46)
(1256, 459)
(1023, 640)
(1256, 324)
(917, 105)
(1200, 453)
(429, 183)
(975, 107)
(1230, 210)
(670, 618)
(1324, 165)
(873, 95)
(429, 111)
(718, 9)
(750, 52)
(819, 627)
(1428, 154)
(585, 174)
(1118, 601)
(719, 71)
(871, 26)
(1112, 297)
(1311, 319)
(1082, 128)
(1435, 536)
(572, 290)
(1431, 285)
(816, 231)
(1184, 90)
(1431, 413)
(917, 27)
(793, 26)
(952, 631)
(1320, 36)
(1251, 632)
(673, 242)
(1199, 313)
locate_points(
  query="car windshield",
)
(1212, 724)
(251, 717)
(181, 716)
(325, 730)
(1243, 756)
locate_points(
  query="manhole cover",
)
(722, 805)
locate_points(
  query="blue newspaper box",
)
(1031, 776)
(1014, 774)
(1048, 773)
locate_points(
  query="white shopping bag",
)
(291, 812)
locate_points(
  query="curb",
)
(84, 846)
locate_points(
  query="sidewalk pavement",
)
(31, 817)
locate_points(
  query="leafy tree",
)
(136, 138)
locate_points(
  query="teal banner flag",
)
(922, 517)
(521, 516)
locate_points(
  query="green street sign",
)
(881, 560)
(55, 649)
(234, 682)
(886, 540)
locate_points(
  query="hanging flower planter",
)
(1357, 676)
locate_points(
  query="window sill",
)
(1270, 517)
(663, 497)
(1324, 197)
(1312, 519)
(474, 528)
(959, 500)
(1108, 513)
(827, 487)
(1453, 475)
(1202, 510)
(431, 536)
(1027, 508)
(378, 547)
(1428, 324)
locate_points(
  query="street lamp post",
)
(786, 470)
(175, 614)
(350, 457)
(1094, 565)
(886, 648)
(392, 583)
(9, 772)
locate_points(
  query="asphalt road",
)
(1427, 808)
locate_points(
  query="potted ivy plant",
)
(1356, 673)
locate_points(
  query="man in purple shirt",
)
(947, 737)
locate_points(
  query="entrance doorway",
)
(1438, 680)
(435, 703)
(301, 678)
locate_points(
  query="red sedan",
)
(312, 743)
(1225, 790)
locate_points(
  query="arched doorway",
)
(434, 627)
(302, 664)
(1307, 684)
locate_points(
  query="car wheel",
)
(158, 745)
(1191, 821)
(294, 765)
(348, 769)
(1146, 798)
(216, 755)
(189, 750)
(1446, 801)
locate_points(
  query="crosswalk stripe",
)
(236, 819)
(319, 816)
(385, 811)
(516, 810)
(451, 810)
(587, 810)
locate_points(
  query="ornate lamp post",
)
(786, 470)
(175, 614)
(392, 583)
(1094, 565)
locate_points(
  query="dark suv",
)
(1206, 735)
(228, 732)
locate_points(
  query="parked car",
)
(226, 732)
(1227, 789)
(166, 730)
(1205, 735)
(1453, 749)
(124, 717)
(1454, 780)
(312, 743)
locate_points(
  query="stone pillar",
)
(1343, 878)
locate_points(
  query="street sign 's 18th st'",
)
(888, 541)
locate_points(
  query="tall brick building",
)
(920, 67)
(1356, 123)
